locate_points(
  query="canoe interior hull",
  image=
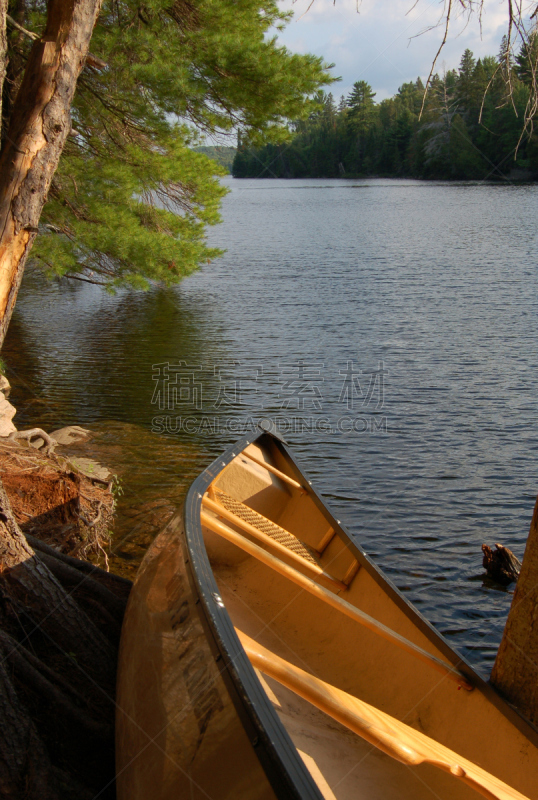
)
(196, 720)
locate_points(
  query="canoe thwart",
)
(267, 532)
(325, 542)
(351, 572)
(329, 597)
(387, 733)
(279, 474)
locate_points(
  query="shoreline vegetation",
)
(470, 126)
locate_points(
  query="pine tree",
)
(505, 58)
(361, 106)
(526, 61)
(465, 82)
(466, 130)
(130, 201)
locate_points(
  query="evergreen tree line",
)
(470, 128)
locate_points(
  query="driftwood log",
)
(501, 564)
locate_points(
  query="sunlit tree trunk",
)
(515, 672)
(39, 125)
(3, 51)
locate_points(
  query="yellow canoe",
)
(264, 656)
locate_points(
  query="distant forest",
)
(220, 153)
(469, 129)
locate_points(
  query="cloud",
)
(389, 42)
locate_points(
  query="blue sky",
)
(376, 44)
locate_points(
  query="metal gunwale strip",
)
(278, 756)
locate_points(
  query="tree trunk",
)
(58, 653)
(3, 52)
(20, 772)
(39, 125)
(515, 672)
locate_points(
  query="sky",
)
(377, 45)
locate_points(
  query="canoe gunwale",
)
(278, 756)
(280, 760)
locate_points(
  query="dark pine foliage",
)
(470, 129)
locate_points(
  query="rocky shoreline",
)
(64, 500)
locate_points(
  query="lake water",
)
(389, 328)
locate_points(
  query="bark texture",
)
(3, 51)
(39, 125)
(515, 672)
(59, 634)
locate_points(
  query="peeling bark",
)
(39, 125)
(3, 52)
(515, 672)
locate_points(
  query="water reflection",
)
(76, 354)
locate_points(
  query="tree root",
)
(25, 767)
(97, 517)
(102, 618)
(72, 579)
(29, 671)
(35, 433)
(122, 586)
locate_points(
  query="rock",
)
(5, 385)
(90, 468)
(7, 412)
(72, 434)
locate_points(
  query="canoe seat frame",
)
(305, 581)
(385, 732)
